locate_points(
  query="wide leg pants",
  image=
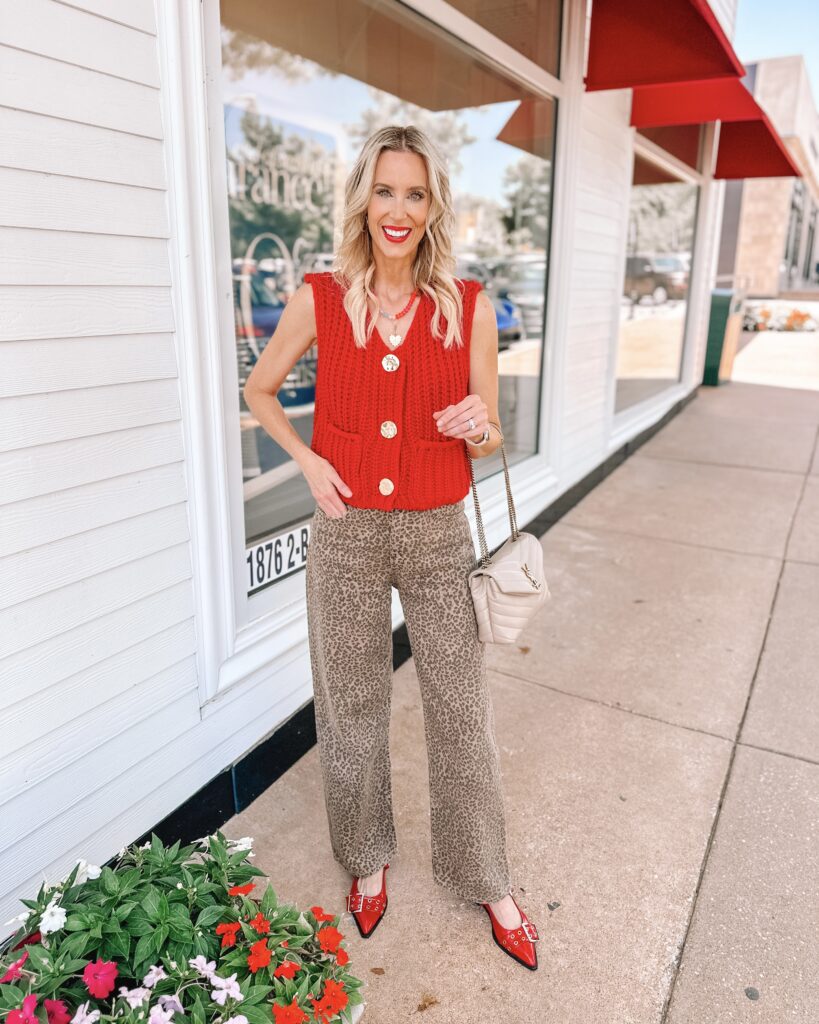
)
(352, 564)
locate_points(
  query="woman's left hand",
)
(454, 419)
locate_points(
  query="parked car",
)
(522, 281)
(507, 313)
(660, 277)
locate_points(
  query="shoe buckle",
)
(359, 898)
(530, 931)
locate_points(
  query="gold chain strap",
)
(512, 517)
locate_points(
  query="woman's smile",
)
(394, 234)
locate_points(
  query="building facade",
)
(181, 165)
(769, 246)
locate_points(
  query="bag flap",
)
(517, 566)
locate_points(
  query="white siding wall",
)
(602, 188)
(97, 646)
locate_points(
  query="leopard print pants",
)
(352, 564)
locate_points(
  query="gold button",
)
(386, 486)
(390, 362)
(388, 429)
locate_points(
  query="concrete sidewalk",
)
(658, 725)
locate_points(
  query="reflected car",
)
(522, 280)
(254, 332)
(660, 277)
(507, 313)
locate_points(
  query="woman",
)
(406, 389)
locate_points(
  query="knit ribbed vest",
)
(373, 415)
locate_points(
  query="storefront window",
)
(300, 95)
(662, 215)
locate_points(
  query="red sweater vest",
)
(373, 414)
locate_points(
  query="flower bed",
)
(172, 936)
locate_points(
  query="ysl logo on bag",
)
(530, 577)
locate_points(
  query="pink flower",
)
(27, 1014)
(99, 978)
(56, 1011)
(14, 971)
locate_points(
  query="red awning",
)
(641, 42)
(749, 146)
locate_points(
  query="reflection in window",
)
(532, 27)
(300, 96)
(662, 214)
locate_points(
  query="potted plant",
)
(172, 935)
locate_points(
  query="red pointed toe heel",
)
(518, 942)
(367, 911)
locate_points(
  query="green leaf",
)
(150, 904)
(37, 957)
(120, 943)
(301, 991)
(269, 902)
(143, 950)
(160, 937)
(163, 909)
(255, 1014)
(212, 915)
(109, 882)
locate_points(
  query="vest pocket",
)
(438, 467)
(344, 453)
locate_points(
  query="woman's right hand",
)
(325, 483)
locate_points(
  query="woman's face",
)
(399, 203)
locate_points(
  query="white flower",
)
(225, 988)
(82, 1016)
(202, 966)
(160, 1016)
(86, 871)
(155, 974)
(179, 885)
(20, 917)
(134, 996)
(171, 1003)
(238, 1019)
(53, 918)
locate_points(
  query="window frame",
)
(241, 636)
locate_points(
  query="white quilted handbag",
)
(508, 587)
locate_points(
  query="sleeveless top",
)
(373, 410)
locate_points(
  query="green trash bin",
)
(724, 326)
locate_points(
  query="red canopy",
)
(641, 42)
(749, 146)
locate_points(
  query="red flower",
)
(342, 957)
(29, 938)
(14, 971)
(100, 978)
(332, 1002)
(57, 1011)
(292, 1014)
(240, 890)
(320, 915)
(259, 956)
(283, 942)
(286, 969)
(228, 930)
(329, 938)
(260, 924)
(27, 1014)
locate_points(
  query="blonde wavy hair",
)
(434, 265)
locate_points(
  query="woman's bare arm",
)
(294, 334)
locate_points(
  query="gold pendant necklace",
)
(395, 339)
